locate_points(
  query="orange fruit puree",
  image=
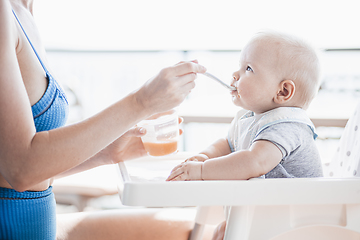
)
(160, 148)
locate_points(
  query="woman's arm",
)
(28, 157)
(128, 146)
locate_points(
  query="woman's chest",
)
(32, 72)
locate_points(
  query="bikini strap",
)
(32, 46)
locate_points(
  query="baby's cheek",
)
(243, 85)
(247, 89)
(244, 93)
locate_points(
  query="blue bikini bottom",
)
(27, 215)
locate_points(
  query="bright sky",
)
(193, 24)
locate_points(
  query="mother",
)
(36, 147)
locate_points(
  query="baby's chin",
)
(235, 100)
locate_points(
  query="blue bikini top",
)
(51, 111)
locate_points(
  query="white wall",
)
(193, 24)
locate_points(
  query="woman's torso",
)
(32, 72)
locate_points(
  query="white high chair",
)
(262, 209)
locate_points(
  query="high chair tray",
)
(142, 183)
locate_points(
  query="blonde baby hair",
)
(302, 64)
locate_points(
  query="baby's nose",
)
(236, 75)
(234, 79)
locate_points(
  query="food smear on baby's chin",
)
(161, 148)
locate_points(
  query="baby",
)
(272, 136)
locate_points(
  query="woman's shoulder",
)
(5, 11)
(8, 31)
(4, 5)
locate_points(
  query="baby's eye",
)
(248, 68)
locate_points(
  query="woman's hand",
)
(128, 146)
(169, 88)
(219, 232)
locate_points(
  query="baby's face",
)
(258, 78)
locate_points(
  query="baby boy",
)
(271, 136)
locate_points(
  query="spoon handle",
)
(219, 81)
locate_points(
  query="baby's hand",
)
(198, 158)
(189, 170)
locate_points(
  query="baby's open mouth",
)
(235, 93)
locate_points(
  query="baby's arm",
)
(261, 158)
(217, 149)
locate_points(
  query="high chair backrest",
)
(347, 157)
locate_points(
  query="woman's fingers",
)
(136, 132)
(194, 61)
(188, 67)
(157, 115)
(169, 88)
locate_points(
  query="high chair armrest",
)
(297, 191)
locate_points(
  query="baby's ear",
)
(286, 92)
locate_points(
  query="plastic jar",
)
(162, 135)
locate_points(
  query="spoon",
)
(219, 81)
